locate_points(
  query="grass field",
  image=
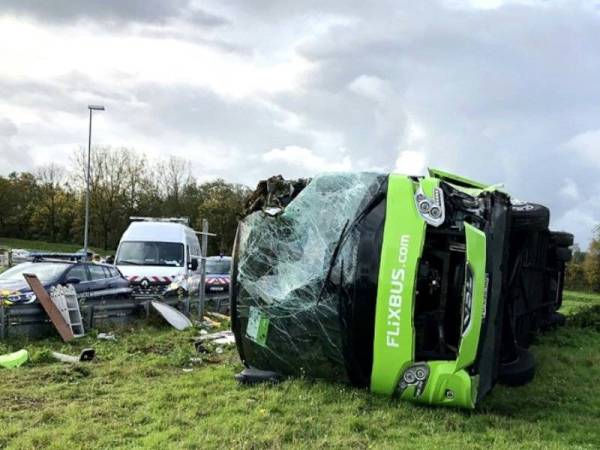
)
(138, 395)
(47, 246)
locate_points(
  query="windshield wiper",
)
(128, 262)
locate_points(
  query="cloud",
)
(111, 11)
(496, 90)
(410, 162)
(293, 161)
(586, 145)
(570, 190)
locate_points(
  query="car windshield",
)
(150, 254)
(46, 272)
(220, 266)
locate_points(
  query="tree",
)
(50, 205)
(575, 278)
(108, 177)
(49, 200)
(591, 263)
(175, 179)
(221, 204)
(17, 194)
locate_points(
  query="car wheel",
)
(562, 239)
(518, 372)
(530, 216)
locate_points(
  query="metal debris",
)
(171, 315)
(87, 354)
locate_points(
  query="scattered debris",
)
(221, 337)
(208, 323)
(87, 354)
(171, 315)
(217, 316)
(224, 338)
(55, 315)
(250, 375)
(16, 359)
(106, 336)
(274, 194)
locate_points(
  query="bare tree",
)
(50, 179)
(174, 175)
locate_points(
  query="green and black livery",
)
(425, 288)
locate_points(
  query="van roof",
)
(156, 232)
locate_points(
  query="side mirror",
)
(72, 281)
(194, 264)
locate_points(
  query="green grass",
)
(137, 395)
(47, 246)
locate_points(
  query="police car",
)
(90, 280)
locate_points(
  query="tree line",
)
(583, 271)
(49, 204)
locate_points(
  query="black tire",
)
(530, 217)
(564, 254)
(562, 239)
(518, 372)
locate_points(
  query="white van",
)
(155, 252)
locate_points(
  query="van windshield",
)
(150, 254)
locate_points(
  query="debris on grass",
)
(13, 360)
(175, 318)
(207, 343)
(217, 316)
(87, 354)
(106, 337)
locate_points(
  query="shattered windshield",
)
(150, 254)
(292, 270)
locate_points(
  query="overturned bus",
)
(426, 288)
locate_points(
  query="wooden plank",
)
(51, 309)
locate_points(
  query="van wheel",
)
(530, 217)
(519, 371)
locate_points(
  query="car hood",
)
(12, 286)
(16, 291)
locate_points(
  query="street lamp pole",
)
(87, 180)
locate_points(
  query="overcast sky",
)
(501, 91)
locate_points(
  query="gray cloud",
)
(111, 11)
(508, 94)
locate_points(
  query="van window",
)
(150, 254)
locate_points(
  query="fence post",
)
(2, 323)
(203, 267)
